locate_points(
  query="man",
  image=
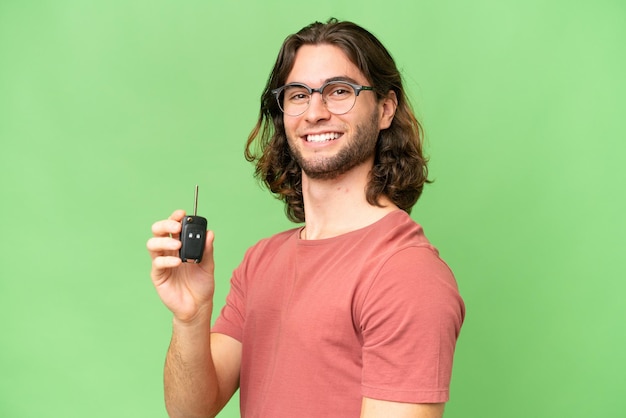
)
(353, 314)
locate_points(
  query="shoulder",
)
(416, 272)
(414, 293)
(267, 249)
(400, 229)
(409, 269)
(397, 238)
(276, 240)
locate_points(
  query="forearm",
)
(190, 378)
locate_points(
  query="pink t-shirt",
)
(323, 323)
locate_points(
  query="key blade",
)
(195, 202)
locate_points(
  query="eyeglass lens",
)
(338, 97)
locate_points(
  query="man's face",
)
(326, 145)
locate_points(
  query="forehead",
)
(314, 64)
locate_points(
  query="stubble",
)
(360, 148)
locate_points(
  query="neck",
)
(337, 206)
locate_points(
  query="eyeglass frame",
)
(358, 88)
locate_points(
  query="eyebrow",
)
(341, 78)
(328, 80)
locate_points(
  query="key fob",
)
(193, 234)
(193, 238)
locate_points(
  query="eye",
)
(298, 97)
(339, 91)
(296, 94)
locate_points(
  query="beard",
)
(360, 148)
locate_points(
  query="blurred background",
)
(111, 112)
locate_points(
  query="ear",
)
(388, 110)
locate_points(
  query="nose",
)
(317, 109)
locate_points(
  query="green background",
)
(111, 112)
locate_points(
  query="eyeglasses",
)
(338, 97)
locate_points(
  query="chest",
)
(310, 295)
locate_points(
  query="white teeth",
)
(322, 137)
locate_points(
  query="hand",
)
(185, 288)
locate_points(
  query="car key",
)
(193, 234)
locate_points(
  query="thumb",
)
(207, 256)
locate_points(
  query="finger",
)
(177, 215)
(207, 255)
(165, 262)
(161, 268)
(166, 228)
(161, 245)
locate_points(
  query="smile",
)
(329, 136)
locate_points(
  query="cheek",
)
(290, 125)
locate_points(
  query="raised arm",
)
(201, 370)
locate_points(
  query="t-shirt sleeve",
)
(231, 318)
(259, 260)
(410, 321)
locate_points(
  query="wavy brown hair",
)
(400, 168)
